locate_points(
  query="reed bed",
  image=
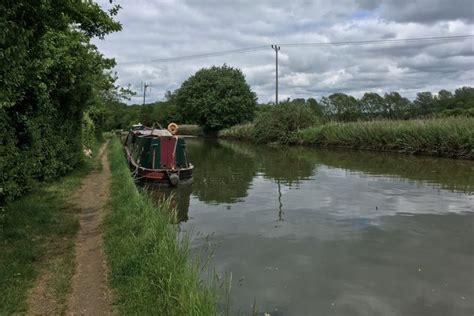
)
(238, 132)
(191, 130)
(447, 137)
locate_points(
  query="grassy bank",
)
(150, 271)
(446, 137)
(37, 235)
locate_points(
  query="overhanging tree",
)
(50, 76)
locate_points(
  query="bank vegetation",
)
(446, 137)
(150, 268)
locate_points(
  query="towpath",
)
(89, 294)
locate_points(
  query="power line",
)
(203, 55)
(265, 47)
(400, 40)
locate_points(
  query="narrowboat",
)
(157, 155)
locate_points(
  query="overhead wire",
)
(377, 41)
(203, 55)
(289, 45)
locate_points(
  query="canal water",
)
(304, 231)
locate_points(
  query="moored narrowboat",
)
(157, 155)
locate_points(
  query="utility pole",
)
(276, 48)
(145, 86)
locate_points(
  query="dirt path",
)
(90, 294)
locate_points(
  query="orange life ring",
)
(173, 128)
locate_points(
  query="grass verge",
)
(149, 266)
(37, 234)
(447, 137)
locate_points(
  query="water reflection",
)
(280, 204)
(221, 175)
(329, 232)
(224, 170)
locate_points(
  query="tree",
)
(344, 107)
(464, 98)
(424, 104)
(372, 104)
(396, 106)
(216, 98)
(52, 84)
(444, 100)
(317, 108)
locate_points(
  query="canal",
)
(304, 231)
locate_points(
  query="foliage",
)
(278, 124)
(238, 132)
(395, 106)
(50, 76)
(392, 105)
(87, 131)
(424, 103)
(216, 98)
(149, 266)
(448, 137)
(342, 106)
(121, 116)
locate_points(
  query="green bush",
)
(51, 74)
(281, 122)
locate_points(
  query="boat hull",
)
(160, 160)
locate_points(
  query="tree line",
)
(392, 105)
(205, 100)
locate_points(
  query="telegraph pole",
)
(276, 48)
(145, 86)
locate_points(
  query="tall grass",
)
(238, 132)
(150, 270)
(188, 129)
(448, 137)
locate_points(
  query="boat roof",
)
(153, 132)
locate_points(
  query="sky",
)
(157, 29)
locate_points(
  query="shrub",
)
(281, 122)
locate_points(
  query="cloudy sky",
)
(157, 29)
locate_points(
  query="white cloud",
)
(167, 28)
